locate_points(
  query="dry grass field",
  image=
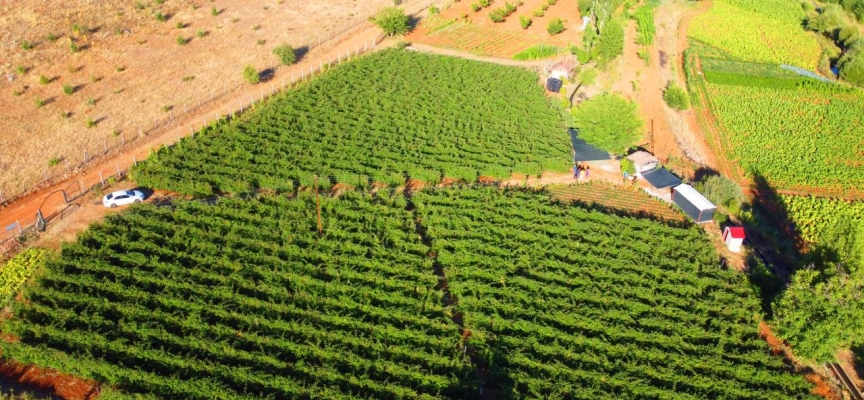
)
(129, 70)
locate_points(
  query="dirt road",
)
(24, 210)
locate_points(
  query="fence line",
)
(74, 164)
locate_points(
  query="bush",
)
(627, 166)
(584, 6)
(393, 21)
(498, 15)
(25, 45)
(182, 40)
(434, 10)
(852, 69)
(161, 17)
(44, 80)
(524, 21)
(18, 270)
(68, 89)
(611, 42)
(39, 102)
(721, 191)
(286, 54)
(539, 13)
(250, 74)
(676, 97)
(555, 26)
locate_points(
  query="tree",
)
(611, 42)
(286, 54)
(609, 122)
(676, 97)
(393, 21)
(251, 74)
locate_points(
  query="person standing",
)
(576, 170)
(587, 170)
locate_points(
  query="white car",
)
(122, 198)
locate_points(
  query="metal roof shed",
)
(583, 151)
(693, 203)
(661, 178)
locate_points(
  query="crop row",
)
(388, 117)
(564, 302)
(243, 299)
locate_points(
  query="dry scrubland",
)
(129, 69)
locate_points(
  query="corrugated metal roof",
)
(584, 151)
(694, 197)
(661, 178)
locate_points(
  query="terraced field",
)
(624, 199)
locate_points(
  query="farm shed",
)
(661, 178)
(554, 84)
(733, 236)
(643, 161)
(583, 151)
(693, 203)
(561, 70)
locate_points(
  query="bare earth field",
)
(130, 72)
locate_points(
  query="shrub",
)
(214, 11)
(91, 101)
(16, 93)
(476, 7)
(21, 70)
(645, 54)
(498, 15)
(261, 42)
(627, 166)
(68, 89)
(201, 33)
(676, 97)
(66, 114)
(256, 27)
(25, 45)
(555, 26)
(52, 37)
(393, 21)
(39, 102)
(44, 80)
(551, 2)
(18, 270)
(250, 74)
(286, 54)
(53, 161)
(161, 17)
(72, 46)
(722, 191)
(434, 10)
(180, 25)
(524, 21)
(90, 122)
(182, 40)
(584, 6)
(852, 69)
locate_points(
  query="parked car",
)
(122, 198)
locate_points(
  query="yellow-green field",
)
(765, 32)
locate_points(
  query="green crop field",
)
(242, 299)
(794, 132)
(387, 117)
(758, 30)
(813, 216)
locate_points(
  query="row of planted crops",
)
(402, 297)
(386, 118)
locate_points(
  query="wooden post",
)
(118, 169)
(101, 180)
(318, 206)
(104, 147)
(134, 161)
(66, 160)
(80, 187)
(85, 156)
(19, 227)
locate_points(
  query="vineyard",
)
(243, 299)
(795, 133)
(562, 302)
(480, 40)
(384, 118)
(812, 216)
(596, 194)
(761, 31)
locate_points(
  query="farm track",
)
(23, 210)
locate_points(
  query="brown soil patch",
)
(487, 179)
(133, 69)
(48, 381)
(340, 188)
(415, 184)
(447, 182)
